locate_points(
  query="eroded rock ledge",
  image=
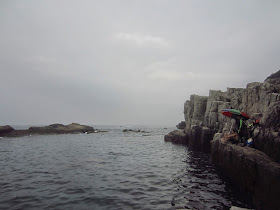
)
(8, 131)
(250, 169)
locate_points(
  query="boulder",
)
(181, 125)
(177, 137)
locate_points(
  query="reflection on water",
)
(112, 170)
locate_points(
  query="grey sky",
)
(128, 62)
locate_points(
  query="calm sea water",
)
(113, 170)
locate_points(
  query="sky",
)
(128, 62)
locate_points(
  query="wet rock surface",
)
(250, 169)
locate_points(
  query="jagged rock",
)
(274, 78)
(257, 97)
(177, 137)
(256, 170)
(6, 129)
(181, 125)
(250, 169)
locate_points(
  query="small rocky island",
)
(255, 170)
(8, 131)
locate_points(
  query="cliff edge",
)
(203, 118)
(257, 170)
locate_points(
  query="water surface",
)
(113, 170)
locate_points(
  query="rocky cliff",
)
(257, 170)
(203, 118)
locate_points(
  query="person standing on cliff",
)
(240, 127)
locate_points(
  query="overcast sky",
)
(127, 61)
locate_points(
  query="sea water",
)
(109, 170)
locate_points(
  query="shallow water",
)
(113, 170)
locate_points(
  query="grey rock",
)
(181, 125)
(177, 137)
(257, 170)
(257, 97)
(250, 169)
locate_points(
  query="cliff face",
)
(250, 169)
(257, 170)
(203, 118)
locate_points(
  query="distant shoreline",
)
(9, 131)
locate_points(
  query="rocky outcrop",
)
(255, 170)
(4, 130)
(203, 113)
(177, 137)
(181, 125)
(250, 169)
(51, 129)
(59, 128)
(135, 131)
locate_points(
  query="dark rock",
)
(274, 75)
(6, 129)
(181, 125)
(51, 129)
(200, 138)
(136, 131)
(59, 128)
(250, 169)
(177, 137)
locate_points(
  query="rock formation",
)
(8, 131)
(257, 170)
(203, 118)
(181, 125)
(251, 170)
(177, 136)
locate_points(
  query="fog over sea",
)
(109, 170)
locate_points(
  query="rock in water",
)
(6, 129)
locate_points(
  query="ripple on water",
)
(112, 170)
